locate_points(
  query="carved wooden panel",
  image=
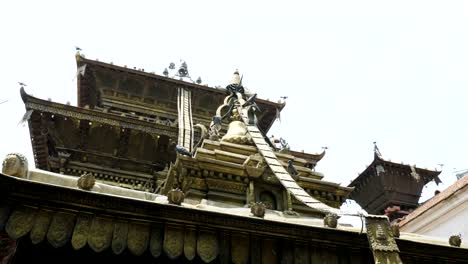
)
(100, 234)
(41, 225)
(119, 238)
(61, 229)
(20, 222)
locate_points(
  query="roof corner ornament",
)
(258, 209)
(455, 240)
(331, 220)
(376, 150)
(183, 70)
(236, 84)
(86, 181)
(175, 196)
(15, 164)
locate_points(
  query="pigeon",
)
(165, 72)
(26, 117)
(199, 80)
(251, 100)
(217, 120)
(291, 169)
(182, 151)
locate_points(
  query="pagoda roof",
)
(232, 163)
(428, 175)
(88, 89)
(385, 183)
(68, 133)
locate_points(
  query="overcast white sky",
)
(395, 72)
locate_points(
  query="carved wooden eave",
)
(401, 184)
(100, 86)
(228, 168)
(69, 217)
(62, 142)
(312, 159)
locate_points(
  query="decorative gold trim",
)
(41, 225)
(81, 231)
(138, 238)
(173, 241)
(20, 222)
(100, 234)
(119, 240)
(61, 229)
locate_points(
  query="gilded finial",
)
(236, 78)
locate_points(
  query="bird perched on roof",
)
(22, 84)
(26, 117)
(182, 151)
(250, 100)
(217, 120)
(291, 169)
(165, 72)
(77, 48)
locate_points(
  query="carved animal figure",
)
(86, 181)
(15, 164)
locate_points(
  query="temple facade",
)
(162, 168)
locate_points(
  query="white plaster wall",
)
(447, 218)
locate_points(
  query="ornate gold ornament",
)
(41, 225)
(138, 238)
(173, 241)
(61, 229)
(81, 231)
(20, 222)
(455, 240)
(175, 196)
(15, 164)
(330, 220)
(100, 234)
(207, 245)
(237, 133)
(86, 181)
(258, 209)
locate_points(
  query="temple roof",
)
(385, 183)
(428, 175)
(112, 85)
(48, 206)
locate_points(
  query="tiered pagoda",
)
(390, 188)
(161, 168)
